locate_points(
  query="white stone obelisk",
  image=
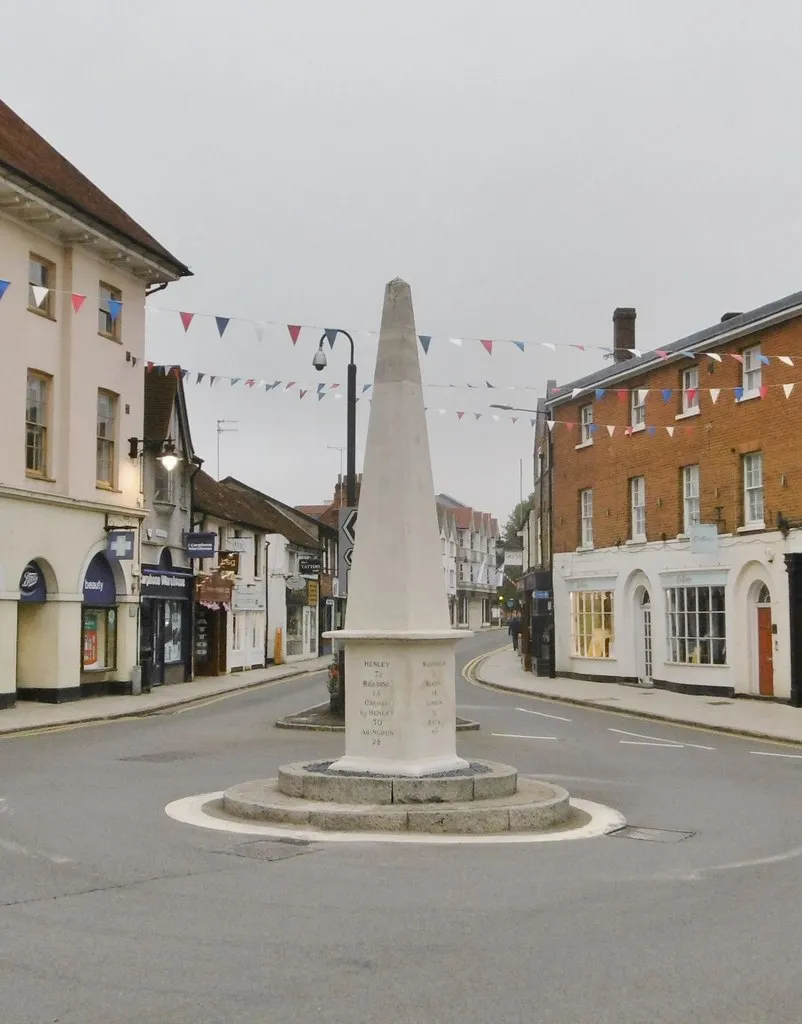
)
(400, 707)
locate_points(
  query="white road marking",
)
(528, 711)
(520, 736)
(652, 743)
(769, 753)
(657, 739)
(191, 811)
(11, 847)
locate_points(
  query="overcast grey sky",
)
(526, 166)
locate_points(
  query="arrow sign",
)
(348, 525)
(346, 538)
(348, 557)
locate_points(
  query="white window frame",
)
(585, 423)
(696, 625)
(592, 624)
(752, 371)
(638, 408)
(753, 489)
(691, 507)
(586, 517)
(106, 443)
(690, 382)
(37, 416)
(637, 494)
(163, 484)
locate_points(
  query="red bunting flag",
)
(250, 383)
(77, 301)
(514, 419)
(580, 347)
(487, 345)
(294, 330)
(737, 357)
(186, 320)
(460, 415)
(149, 366)
(622, 395)
(289, 384)
(691, 396)
(662, 353)
(570, 426)
(764, 390)
(302, 392)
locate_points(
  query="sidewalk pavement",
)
(761, 719)
(31, 715)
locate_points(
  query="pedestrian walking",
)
(514, 629)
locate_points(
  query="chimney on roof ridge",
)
(623, 332)
(730, 316)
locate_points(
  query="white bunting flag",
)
(575, 392)
(786, 359)
(636, 352)
(456, 341)
(550, 424)
(496, 418)
(642, 393)
(610, 429)
(712, 355)
(788, 388)
(548, 344)
(39, 294)
(714, 393)
(259, 326)
(670, 431)
(442, 412)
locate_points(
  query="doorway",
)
(764, 647)
(644, 620)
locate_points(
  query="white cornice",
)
(63, 501)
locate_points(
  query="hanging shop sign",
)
(309, 566)
(200, 545)
(213, 589)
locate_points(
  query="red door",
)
(765, 659)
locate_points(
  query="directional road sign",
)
(346, 547)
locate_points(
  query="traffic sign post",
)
(346, 539)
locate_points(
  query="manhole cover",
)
(269, 850)
(165, 757)
(651, 835)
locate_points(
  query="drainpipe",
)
(196, 466)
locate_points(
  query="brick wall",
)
(716, 440)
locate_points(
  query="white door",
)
(645, 638)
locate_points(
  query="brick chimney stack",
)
(623, 332)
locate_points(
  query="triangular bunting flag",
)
(321, 388)
(788, 388)
(714, 393)
(289, 384)
(295, 330)
(212, 379)
(77, 301)
(739, 393)
(575, 392)
(186, 320)
(592, 428)
(688, 430)
(184, 374)
(610, 429)
(489, 384)
(764, 359)
(477, 415)
(250, 382)
(622, 395)
(712, 355)
(134, 361)
(425, 340)
(642, 393)
(200, 378)
(548, 344)
(456, 341)
(670, 431)
(149, 366)
(234, 380)
(662, 353)
(330, 335)
(366, 387)
(222, 322)
(520, 345)
(550, 424)
(580, 347)
(4, 287)
(569, 426)
(321, 394)
(666, 393)
(736, 356)
(115, 308)
(764, 390)
(259, 327)
(487, 345)
(600, 393)
(691, 396)
(302, 393)
(460, 415)
(39, 294)
(532, 422)
(786, 359)
(514, 419)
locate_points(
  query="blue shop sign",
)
(201, 545)
(169, 583)
(32, 586)
(99, 589)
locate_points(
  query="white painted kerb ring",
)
(190, 811)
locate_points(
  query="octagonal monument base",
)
(483, 798)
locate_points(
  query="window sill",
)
(585, 547)
(637, 428)
(690, 664)
(42, 313)
(107, 487)
(164, 503)
(40, 477)
(751, 528)
(636, 540)
(109, 337)
(584, 444)
(688, 414)
(589, 657)
(748, 396)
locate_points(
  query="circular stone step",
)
(536, 805)
(319, 780)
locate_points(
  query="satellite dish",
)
(296, 583)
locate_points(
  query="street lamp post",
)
(550, 474)
(319, 361)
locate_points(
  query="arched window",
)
(645, 599)
(764, 597)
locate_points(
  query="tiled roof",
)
(237, 505)
(315, 511)
(162, 393)
(28, 155)
(733, 327)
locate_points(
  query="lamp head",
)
(319, 360)
(169, 457)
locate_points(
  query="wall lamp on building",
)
(168, 456)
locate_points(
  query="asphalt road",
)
(112, 913)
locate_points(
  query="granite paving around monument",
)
(321, 718)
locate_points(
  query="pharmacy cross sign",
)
(121, 544)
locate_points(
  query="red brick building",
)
(677, 484)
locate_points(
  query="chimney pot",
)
(623, 332)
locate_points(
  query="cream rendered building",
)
(74, 273)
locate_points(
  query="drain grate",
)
(269, 850)
(651, 835)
